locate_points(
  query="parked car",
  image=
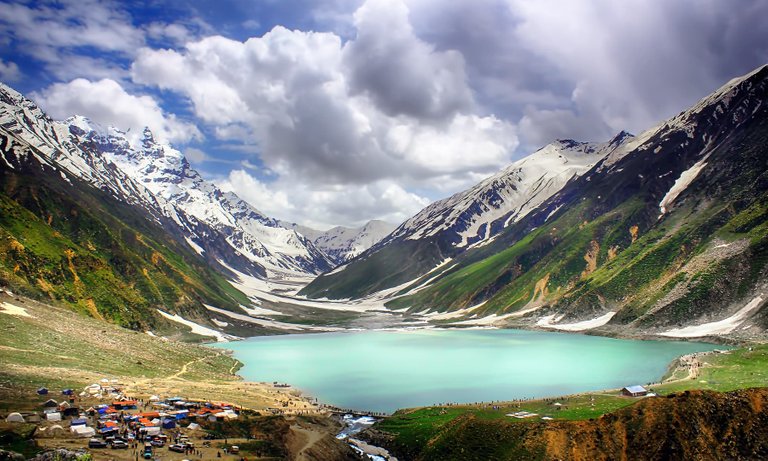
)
(157, 443)
(97, 443)
(234, 449)
(119, 444)
(177, 447)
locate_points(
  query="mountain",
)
(667, 235)
(342, 244)
(79, 231)
(273, 249)
(154, 176)
(471, 218)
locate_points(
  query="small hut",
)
(634, 391)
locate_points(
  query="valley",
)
(119, 260)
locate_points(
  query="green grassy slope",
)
(74, 244)
(607, 250)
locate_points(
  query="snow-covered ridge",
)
(157, 178)
(508, 195)
(344, 243)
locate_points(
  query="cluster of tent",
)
(165, 414)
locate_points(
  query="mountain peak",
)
(620, 137)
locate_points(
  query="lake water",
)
(387, 370)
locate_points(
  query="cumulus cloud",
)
(401, 73)
(327, 206)
(298, 97)
(107, 103)
(631, 64)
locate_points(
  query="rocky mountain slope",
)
(342, 244)
(75, 229)
(467, 219)
(158, 178)
(665, 236)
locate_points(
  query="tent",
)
(83, 431)
(50, 403)
(152, 430)
(154, 398)
(55, 416)
(193, 426)
(169, 424)
(52, 431)
(64, 404)
(42, 391)
(67, 392)
(93, 389)
(79, 422)
(14, 418)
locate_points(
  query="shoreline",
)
(671, 368)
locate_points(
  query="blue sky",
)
(338, 111)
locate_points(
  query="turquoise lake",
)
(387, 370)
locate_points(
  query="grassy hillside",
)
(68, 242)
(602, 243)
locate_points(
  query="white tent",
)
(193, 426)
(56, 416)
(154, 398)
(83, 431)
(152, 430)
(14, 418)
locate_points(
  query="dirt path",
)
(185, 367)
(305, 440)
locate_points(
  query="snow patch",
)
(682, 183)
(17, 311)
(198, 249)
(197, 328)
(268, 323)
(219, 323)
(546, 322)
(721, 327)
(254, 311)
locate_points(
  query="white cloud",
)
(50, 31)
(401, 73)
(107, 103)
(9, 71)
(289, 93)
(630, 64)
(327, 206)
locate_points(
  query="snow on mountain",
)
(474, 216)
(341, 243)
(159, 179)
(62, 149)
(257, 237)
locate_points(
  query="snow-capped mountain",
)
(61, 149)
(342, 244)
(477, 214)
(471, 218)
(220, 226)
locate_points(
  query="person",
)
(218, 454)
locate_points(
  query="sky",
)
(335, 112)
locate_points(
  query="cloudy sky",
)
(334, 112)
